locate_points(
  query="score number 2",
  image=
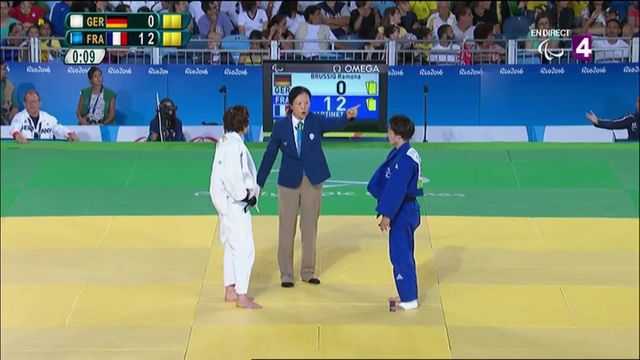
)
(151, 38)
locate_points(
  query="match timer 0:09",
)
(84, 56)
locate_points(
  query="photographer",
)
(171, 125)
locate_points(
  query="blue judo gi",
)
(396, 184)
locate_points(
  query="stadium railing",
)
(201, 51)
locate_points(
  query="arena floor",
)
(111, 251)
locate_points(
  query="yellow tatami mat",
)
(150, 287)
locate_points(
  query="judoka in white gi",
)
(234, 191)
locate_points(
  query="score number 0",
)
(341, 89)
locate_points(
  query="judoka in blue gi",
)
(395, 185)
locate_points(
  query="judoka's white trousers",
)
(236, 235)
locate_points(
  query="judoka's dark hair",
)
(236, 118)
(402, 125)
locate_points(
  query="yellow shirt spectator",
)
(49, 49)
(578, 7)
(531, 5)
(423, 8)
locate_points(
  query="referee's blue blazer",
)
(311, 160)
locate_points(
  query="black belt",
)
(409, 199)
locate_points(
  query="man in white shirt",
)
(612, 48)
(445, 51)
(31, 123)
(463, 28)
(252, 18)
(315, 35)
(440, 17)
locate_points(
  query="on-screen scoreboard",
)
(88, 35)
(335, 87)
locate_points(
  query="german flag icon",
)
(282, 80)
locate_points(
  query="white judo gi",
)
(232, 174)
(47, 128)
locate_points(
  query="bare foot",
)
(231, 295)
(397, 307)
(246, 302)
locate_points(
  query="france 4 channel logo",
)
(581, 44)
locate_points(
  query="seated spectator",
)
(445, 51)
(11, 46)
(232, 9)
(136, 5)
(543, 22)
(392, 16)
(271, 7)
(32, 33)
(391, 32)
(123, 8)
(563, 16)
(277, 30)
(485, 51)
(26, 12)
(612, 48)
(8, 95)
(290, 10)
(425, 44)
(314, 36)
(633, 17)
(365, 20)
(32, 123)
(182, 7)
(102, 6)
(627, 33)
(481, 11)
(214, 41)
(408, 19)
(611, 13)
(97, 104)
(5, 19)
(257, 50)
(441, 17)
(594, 19)
(336, 14)
(252, 18)
(214, 20)
(84, 6)
(49, 47)
(463, 28)
(171, 126)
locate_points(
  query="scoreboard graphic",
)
(334, 87)
(89, 34)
